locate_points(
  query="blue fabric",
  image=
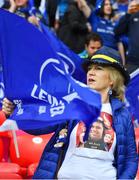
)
(65, 53)
(122, 8)
(31, 3)
(38, 80)
(132, 96)
(105, 28)
(126, 160)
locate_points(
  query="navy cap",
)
(108, 57)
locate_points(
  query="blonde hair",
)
(118, 88)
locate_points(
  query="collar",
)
(116, 104)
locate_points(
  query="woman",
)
(76, 159)
(108, 77)
(103, 21)
(67, 156)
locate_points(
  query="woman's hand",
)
(33, 20)
(7, 107)
(12, 6)
(83, 6)
(81, 3)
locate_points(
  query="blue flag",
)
(38, 80)
(132, 95)
(66, 54)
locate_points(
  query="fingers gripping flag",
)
(38, 81)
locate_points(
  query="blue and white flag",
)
(71, 58)
(38, 80)
(132, 95)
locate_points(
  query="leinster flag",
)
(65, 53)
(132, 95)
(38, 80)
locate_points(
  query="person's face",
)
(107, 7)
(133, 6)
(20, 3)
(92, 47)
(98, 79)
(96, 131)
(107, 138)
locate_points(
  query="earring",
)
(110, 92)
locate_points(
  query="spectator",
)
(129, 25)
(26, 9)
(20, 7)
(120, 8)
(74, 27)
(92, 44)
(103, 22)
(60, 11)
(51, 7)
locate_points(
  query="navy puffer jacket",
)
(126, 159)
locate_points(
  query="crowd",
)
(104, 33)
(116, 22)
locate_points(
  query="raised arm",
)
(122, 52)
(124, 22)
(12, 6)
(83, 6)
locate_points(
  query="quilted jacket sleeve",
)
(131, 160)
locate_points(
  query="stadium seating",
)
(30, 149)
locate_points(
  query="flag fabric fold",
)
(65, 53)
(39, 81)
